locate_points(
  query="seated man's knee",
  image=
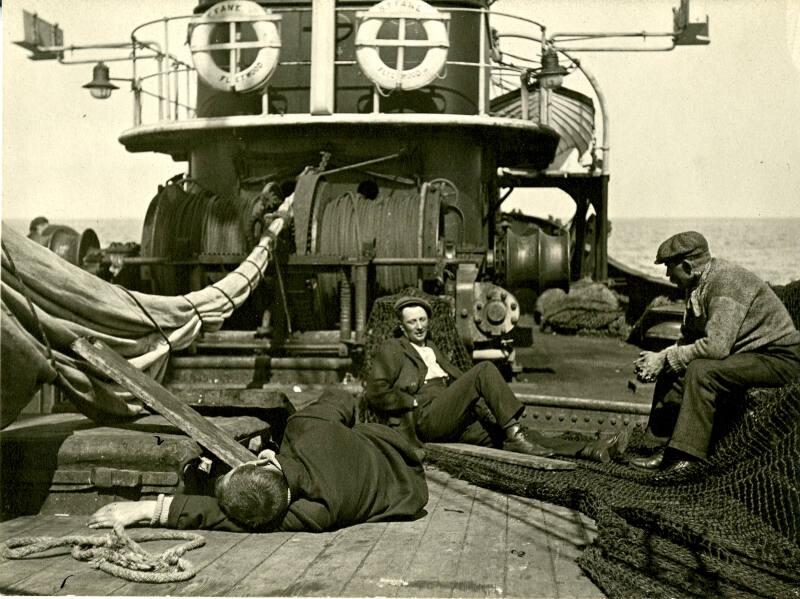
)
(702, 370)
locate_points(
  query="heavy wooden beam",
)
(162, 401)
(519, 459)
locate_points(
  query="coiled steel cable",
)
(390, 223)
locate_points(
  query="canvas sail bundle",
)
(69, 303)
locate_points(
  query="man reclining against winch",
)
(329, 473)
(413, 385)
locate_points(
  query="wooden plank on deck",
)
(482, 563)
(570, 533)
(432, 573)
(234, 565)
(529, 568)
(165, 403)
(519, 459)
(285, 567)
(384, 570)
(330, 572)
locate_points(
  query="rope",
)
(196, 311)
(118, 553)
(227, 297)
(146, 313)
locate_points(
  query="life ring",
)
(367, 49)
(268, 42)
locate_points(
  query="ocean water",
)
(768, 247)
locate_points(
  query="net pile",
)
(731, 529)
(588, 308)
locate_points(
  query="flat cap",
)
(689, 244)
(410, 300)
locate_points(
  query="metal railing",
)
(510, 46)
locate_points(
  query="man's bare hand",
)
(122, 512)
(649, 365)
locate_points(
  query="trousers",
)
(447, 413)
(685, 406)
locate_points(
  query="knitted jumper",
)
(730, 311)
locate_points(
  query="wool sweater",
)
(730, 311)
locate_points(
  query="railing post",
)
(323, 56)
(481, 68)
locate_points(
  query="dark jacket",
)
(340, 473)
(398, 373)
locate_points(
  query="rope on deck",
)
(118, 553)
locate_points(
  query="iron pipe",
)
(261, 362)
(581, 403)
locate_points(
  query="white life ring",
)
(268, 42)
(367, 50)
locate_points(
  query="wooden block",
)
(165, 403)
(509, 457)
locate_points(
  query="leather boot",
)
(602, 450)
(652, 462)
(519, 443)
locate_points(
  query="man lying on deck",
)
(429, 398)
(736, 334)
(330, 473)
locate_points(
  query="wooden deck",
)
(472, 543)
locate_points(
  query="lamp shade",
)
(100, 86)
(551, 75)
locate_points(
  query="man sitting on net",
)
(329, 473)
(736, 334)
(413, 383)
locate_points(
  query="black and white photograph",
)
(400, 298)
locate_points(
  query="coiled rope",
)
(118, 553)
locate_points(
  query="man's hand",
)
(122, 512)
(649, 365)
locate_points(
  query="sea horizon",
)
(768, 246)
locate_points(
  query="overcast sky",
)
(700, 131)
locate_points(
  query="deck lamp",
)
(100, 86)
(551, 74)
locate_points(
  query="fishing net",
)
(730, 528)
(588, 308)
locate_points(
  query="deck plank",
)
(383, 571)
(219, 576)
(47, 573)
(482, 563)
(529, 569)
(330, 572)
(432, 572)
(284, 567)
(25, 526)
(570, 533)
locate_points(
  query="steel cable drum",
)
(222, 229)
(173, 230)
(391, 223)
